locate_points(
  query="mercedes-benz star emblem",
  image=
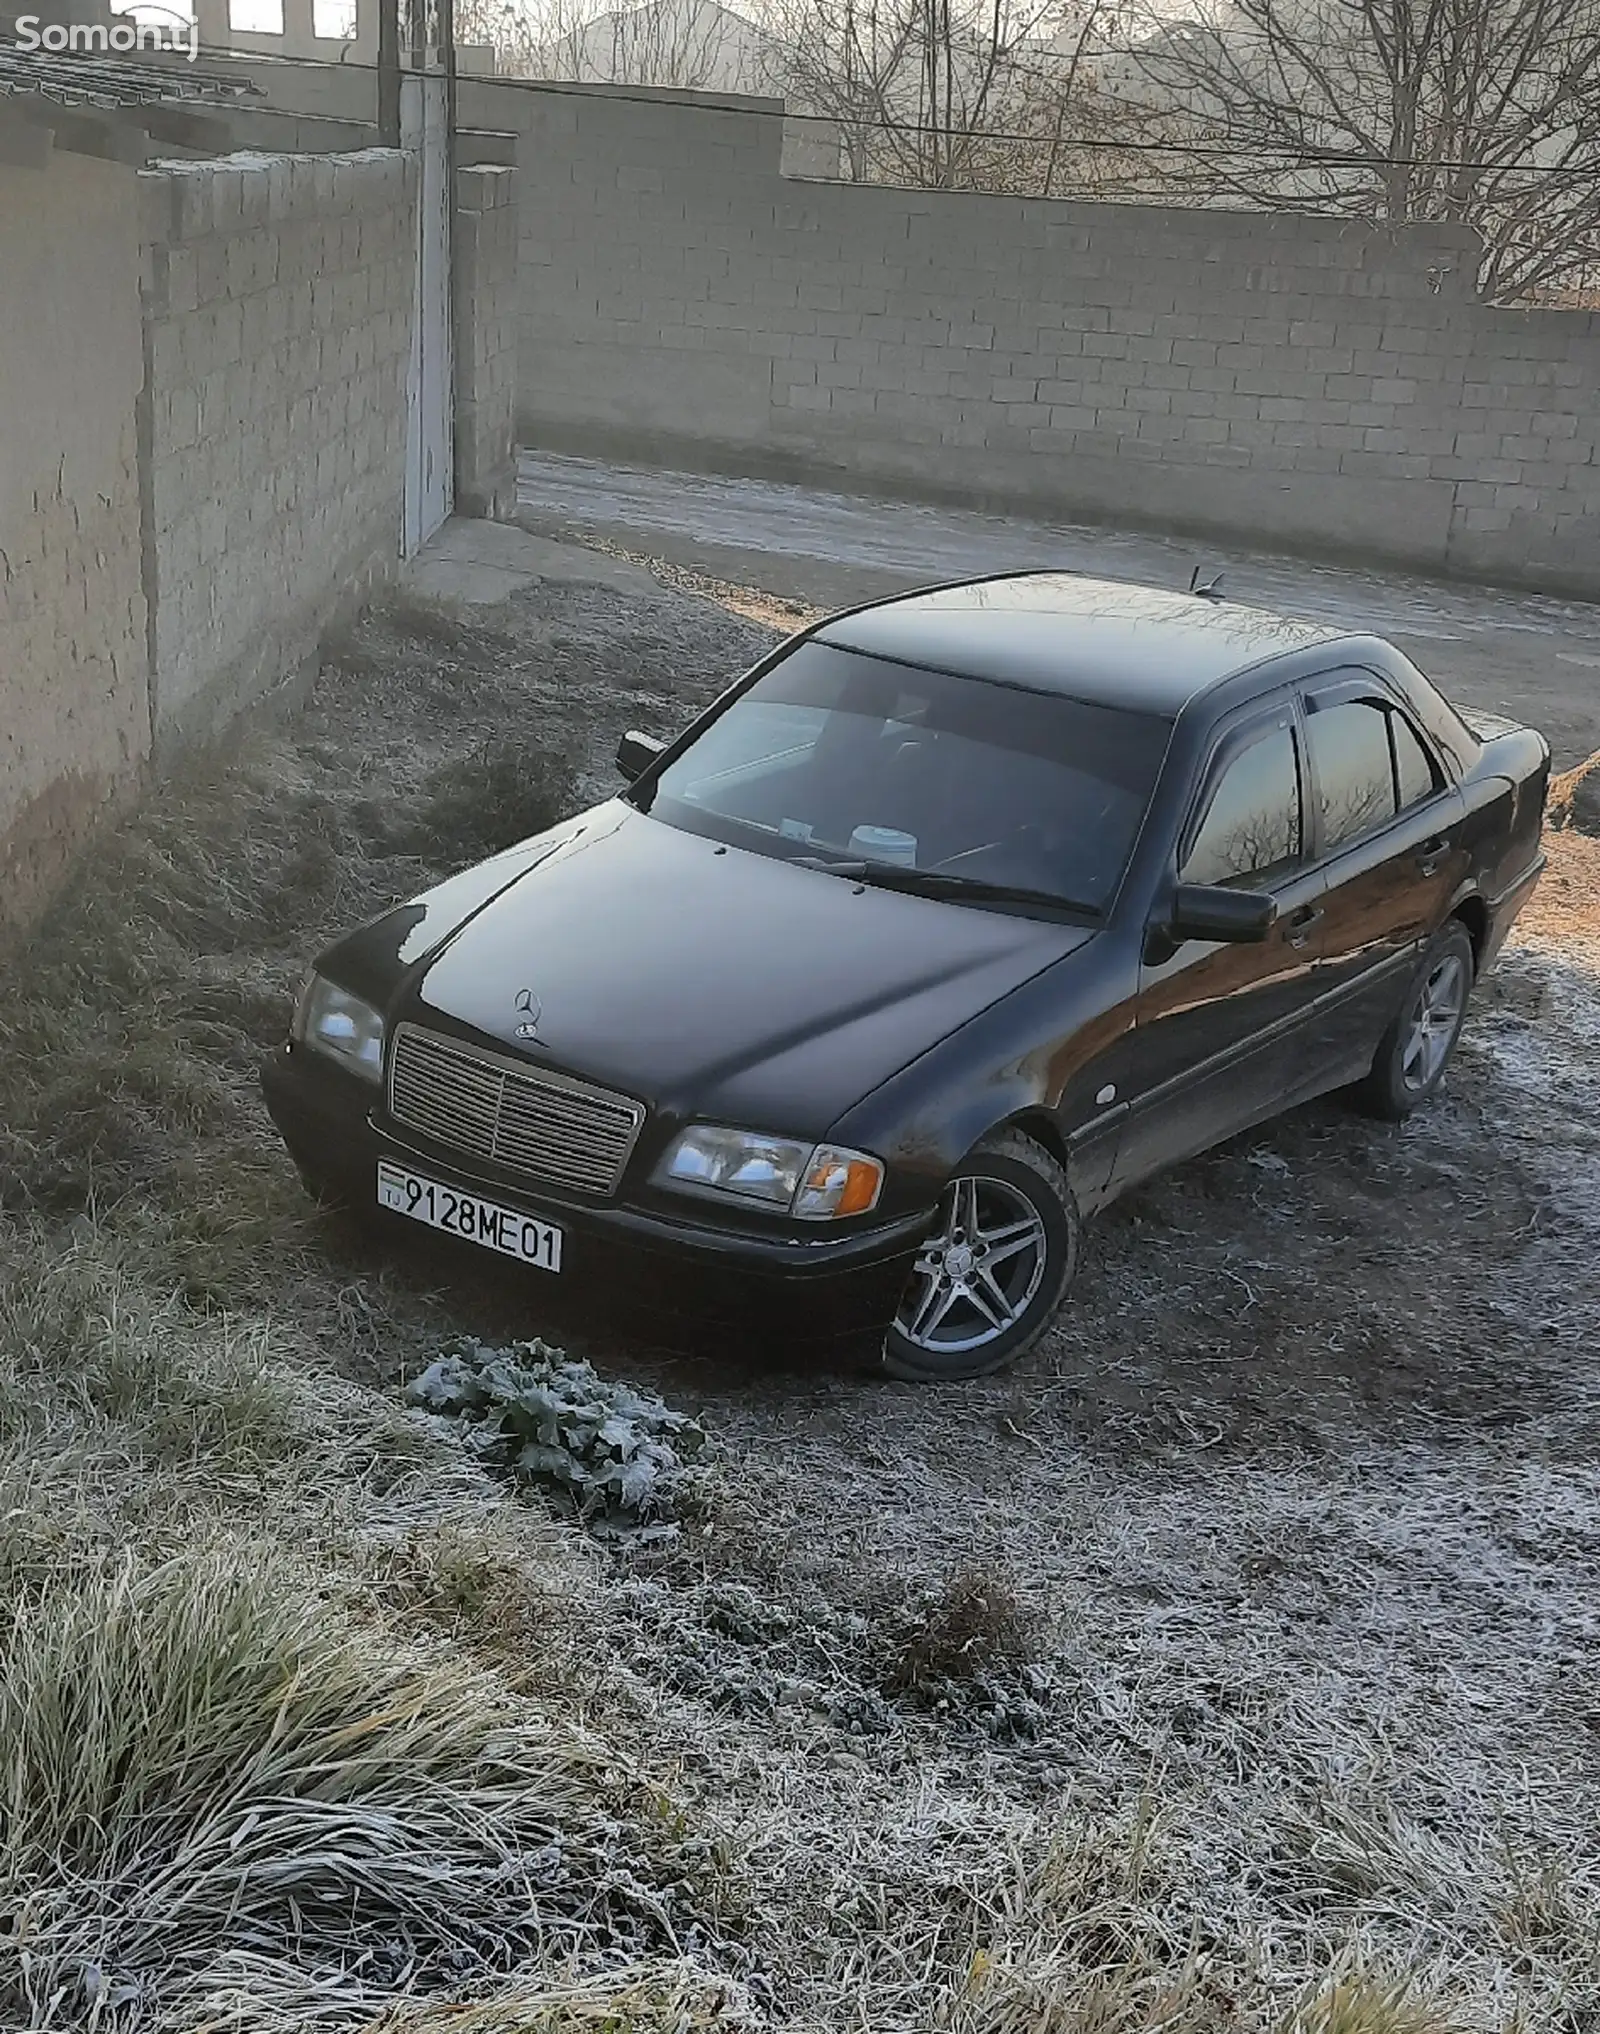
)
(530, 1006)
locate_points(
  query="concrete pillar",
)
(299, 34)
(484, 287)
(211, 18)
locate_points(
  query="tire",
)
(1415, 1050)
(1012, 1189)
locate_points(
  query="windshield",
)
(837, 756)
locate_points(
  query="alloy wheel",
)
(976, 1275)
(1435, 1021)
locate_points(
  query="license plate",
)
(507, 1230)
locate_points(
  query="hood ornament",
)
(530, 1006)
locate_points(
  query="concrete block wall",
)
(487, 301)
(1277, 379)
(277, 305)
(1525, 468)
(74, 694)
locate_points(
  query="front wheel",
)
(988, 1280)
(1416, 1048)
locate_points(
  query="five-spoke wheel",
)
(1416, 1048)
(977, 1271)
(1435, 1022)
(994, 1268)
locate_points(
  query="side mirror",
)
(1207, 911)
(636, 752)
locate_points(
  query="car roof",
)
(1095, 639)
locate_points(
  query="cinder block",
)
(280, 183)
(859, 352)
(156, 206)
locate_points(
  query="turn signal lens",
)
(838, 1183)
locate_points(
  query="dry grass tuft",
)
(667, 2000)
(494, 1587)
(204, 1757)
(90, 1340)
(1365, 2004)
(501, 791)
(978, 1625)
(1106, 1938)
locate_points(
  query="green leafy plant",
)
(618, 1455)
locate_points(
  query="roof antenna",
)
(1212, 590)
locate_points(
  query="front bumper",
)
(692, 1280)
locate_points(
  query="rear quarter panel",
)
(1505, 795)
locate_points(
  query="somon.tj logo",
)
(175, 35)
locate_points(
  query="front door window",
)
(1250, 830)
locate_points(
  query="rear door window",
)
(1354, 770)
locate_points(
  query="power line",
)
(1285, 155)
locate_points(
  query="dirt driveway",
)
(1517, 653)
(1262, 1599)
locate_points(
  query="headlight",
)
(329, 1019)
(815, 1181)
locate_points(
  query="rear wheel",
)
(988, 1280)
(1416, 1048)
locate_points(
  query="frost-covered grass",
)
(1228, 1670)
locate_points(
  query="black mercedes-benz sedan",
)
(958, 916)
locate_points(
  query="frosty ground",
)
(1228, 1665)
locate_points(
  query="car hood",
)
(710, 981)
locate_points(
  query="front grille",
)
(546, 1126)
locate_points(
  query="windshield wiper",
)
(935, 883)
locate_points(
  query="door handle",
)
(1431, 854)
(1299, 924)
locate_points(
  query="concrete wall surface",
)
(487, 300)
(74, 698)
(278, 304)
(1284, 379)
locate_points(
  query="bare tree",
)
(845, 61)
(993, 95)
(951, 94)
(689, 45)
(507, 28)
(1482, 112)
